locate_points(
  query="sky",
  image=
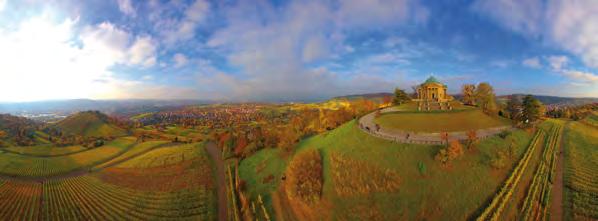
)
(257, 50)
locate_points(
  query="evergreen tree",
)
(514, 107)
(533, 109)
(400, 97)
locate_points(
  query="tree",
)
(485, 97)
(468, 91)
(514, 107)
(455, 150)
(533, 109)
(400, 97)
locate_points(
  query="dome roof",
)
(432, 79)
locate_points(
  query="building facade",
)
(432, 90)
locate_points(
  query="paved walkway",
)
(366, 123)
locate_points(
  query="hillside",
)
(90, 123)
(17, 130)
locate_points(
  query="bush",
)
(305, 177)
(421, 167)
(504, 134)
(499, 161)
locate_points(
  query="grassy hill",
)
(466, 120)
(90, 123)
(361, 174)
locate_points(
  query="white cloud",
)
(2, 4)
(273, 46)
(533, 62)
(184, 29)
(569, 24)
(524, 16)
(584, 77)
(179, 60)
(557, 63)
(126, 7)
(143, 52)
(41, 59)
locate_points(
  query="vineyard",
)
(494, 210)
(537, 201)
(23, 165)
(176, 190)
(581, 167)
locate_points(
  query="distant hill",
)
(558, 101)
(126, 106)
(90, 123)
(377, 97)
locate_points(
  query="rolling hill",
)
(88, 124)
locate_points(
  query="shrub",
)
(421, 167)
(305, 177)
(499, 160)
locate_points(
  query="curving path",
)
(366, 124)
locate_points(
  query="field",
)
(39, 166)
(180, 190)
(401, 190)
(581, 167)
(44, 150)
(439, 121)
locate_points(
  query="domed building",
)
(432, 90)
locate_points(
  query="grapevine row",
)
(493, 211)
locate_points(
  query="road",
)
(220, 180)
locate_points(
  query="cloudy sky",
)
(292, 50)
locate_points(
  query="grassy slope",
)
(89, 124)
(581, 167)
(452, 193)
(439, 122)
(256, 168)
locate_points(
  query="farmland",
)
(581, 167)
(168, 188)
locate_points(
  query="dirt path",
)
(220, 180)
(556, 208)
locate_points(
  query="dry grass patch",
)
(355, 177)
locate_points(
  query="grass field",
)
(440, 121)
(581, 167)
(350, 155)
(22, 165)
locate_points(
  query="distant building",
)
(432, 90)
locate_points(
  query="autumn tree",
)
(533, 109)
(305, 177)
(485, 97)
(468, 91)
(400, 97)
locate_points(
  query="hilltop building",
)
(432, 90)
(431, 95)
